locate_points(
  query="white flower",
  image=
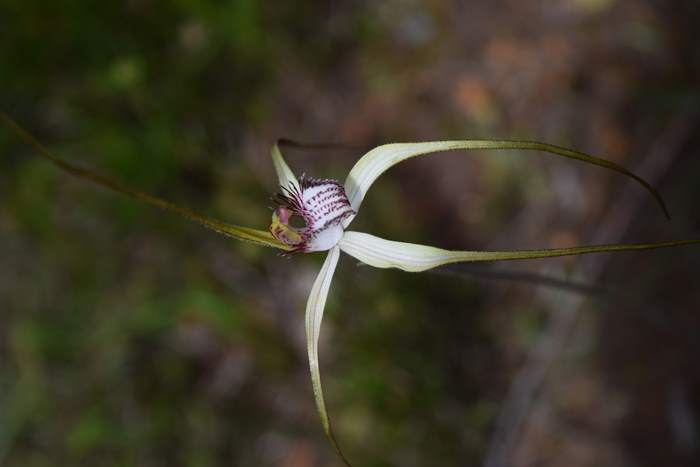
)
(327, 209)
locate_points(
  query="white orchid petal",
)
(411, 257)
(382, 253)
(284, 173)
(314, 315)
(378, 160)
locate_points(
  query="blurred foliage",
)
(130, 337)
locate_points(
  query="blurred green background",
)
(130, 337)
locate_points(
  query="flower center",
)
(321, 204)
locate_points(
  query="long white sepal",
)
(382, 253)
(314, 315)
(378, 160)
(410, 257)
(284, 174)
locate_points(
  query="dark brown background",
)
(131, 337)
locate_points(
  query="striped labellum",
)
(321, 204)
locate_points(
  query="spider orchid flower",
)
(327, 208)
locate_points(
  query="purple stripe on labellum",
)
(321, 203)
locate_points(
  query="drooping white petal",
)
(284, 173)
(381, 158)
(411, 257)
(314, 314)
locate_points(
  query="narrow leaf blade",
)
(246, 234)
